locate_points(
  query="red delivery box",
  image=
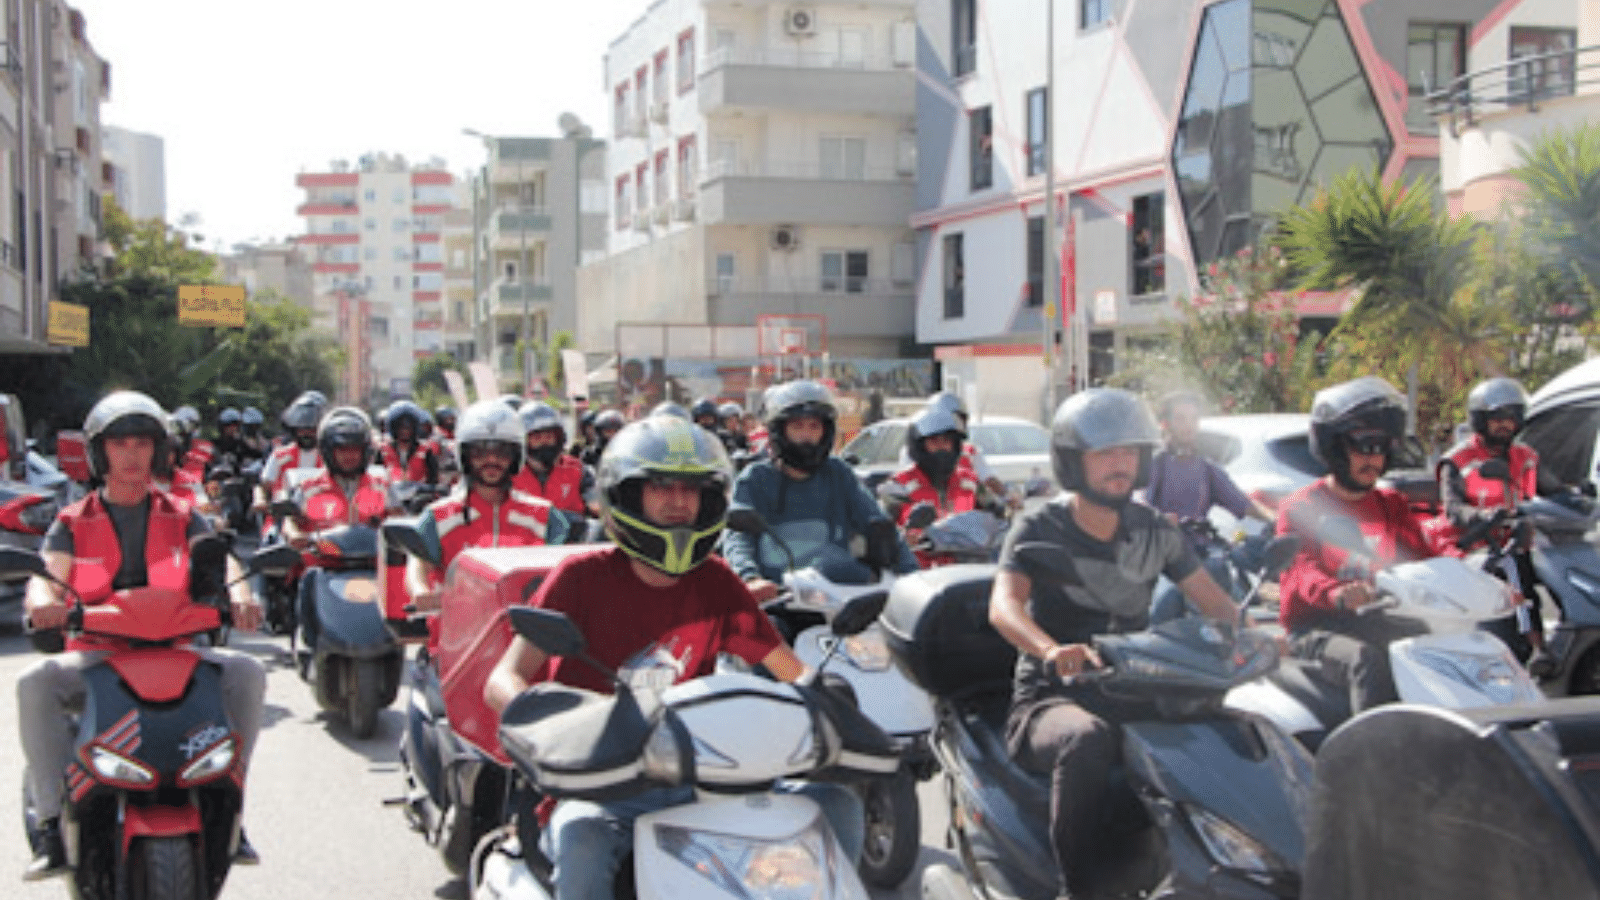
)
(72, 455)
(474, 629)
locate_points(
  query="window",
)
(844, 158)
(624, 204)
(844, 270)
(401, 254)
(1436, 54)
(727, 268)
(1549, 73)
(366, 283)
(458, 313)
(663, 178)
(641, 174)
(399, 195)
(371, 253)
(371, 224)
(1038, 122)
(378, 327)
(400, 226)
(371, 195)
(980, 134)
(685, 61)
(458, 259)
(509, 269)
(399, 282)
(1148, 256)
(659, 86)
(964, 36)
(641, 97)
(1035, 296)
(1093, 13)
(955, 278)
(619, 110)
(686, 167)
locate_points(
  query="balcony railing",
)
(804, 171)
(792, 58)
(1524, 82)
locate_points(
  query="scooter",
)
(810, 601)
(1210, 802)
(730, 735)
(1440, 657)
(279, 594)
(153, 796)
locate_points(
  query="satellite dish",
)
(571, 126)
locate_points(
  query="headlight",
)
(802, 866)
(1231, 847)
(868, 651)
(118, 769)
(208, 765)
(1490, 672)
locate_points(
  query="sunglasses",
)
(499, 449)
(1369, 444)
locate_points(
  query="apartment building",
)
(460, 293)
(761, 165)
(373, 234)
(139, 171)
(52, 174)
(1181, 130)
(279, 267)
(540, 207)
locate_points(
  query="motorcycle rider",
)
(1100, 445)
(550, 474)
(256, 444)
(300, 421)
(606, 424)
(1495, 410)
(658, 608)
(730, 418)
(493, 511)
(197, 451)
(1356, 428)
(704, 413)
(125, 534)
(586, 436)
(445, 417)
(809, 498)
(971, 454)
(405, 454)
(1183, 483)
(168, 477)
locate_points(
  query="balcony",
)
(510, 225)
(803, 194)
(327, 179)
(335, 267)
(327, 208)
(507, 295)
(853, 307)
(734, 79)
(513, 160)
(330, 237)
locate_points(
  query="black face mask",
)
(546, 455)
(306, 441)
(939, 465)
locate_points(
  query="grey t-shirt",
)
(130, 523)
(1115, 579)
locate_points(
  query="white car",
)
(1016, 449)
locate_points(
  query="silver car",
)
(1016, 449)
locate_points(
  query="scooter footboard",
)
(796, 845)
(883, 692)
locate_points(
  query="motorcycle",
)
(731, 735)
(153, 796)
(811, 599)
(25, 515)
(279, 593)
(236, 483)
(1210, 802)
(1235, 567)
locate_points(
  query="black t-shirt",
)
(130, 523)
(1117, 579)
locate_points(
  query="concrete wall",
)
(663, 281)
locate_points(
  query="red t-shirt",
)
(653, 637)
(1307, 586)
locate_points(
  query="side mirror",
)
(1494, 469)
(1047, 562)
(208, 564)
(1039, 486)
(16, 562)
(550, 631)
(922, 515)
(858, 613)
(277, 560)
(403, 533)
(746, 521)
(1278, 554)
(883, 544)
(285, 509)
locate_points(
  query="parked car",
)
(1016, 449)
(1563, 422)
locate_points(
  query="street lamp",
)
(522, 265)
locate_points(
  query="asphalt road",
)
(314, 808)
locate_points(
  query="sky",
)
(247, 95)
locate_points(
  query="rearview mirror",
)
(403, 533)
(850, 459)
(1047, 562)
(16, 562)
(858, 613)
(285, 509)
(746, 521)
(276, 560)
(922, 515)
(883, 544)
(1494, 469)
(547, 629)
(1279, 553)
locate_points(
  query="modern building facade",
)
(540, 207)
(279, 267)
(139, 162)
(460, 295)
(1181, 130)
(761, 165)
(374, 231)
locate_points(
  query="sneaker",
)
(50, 854)
(244, 854)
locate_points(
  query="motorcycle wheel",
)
(168, 869)
(893, 829)
(363, 700)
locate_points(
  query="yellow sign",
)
(69, 324)
(211, 304)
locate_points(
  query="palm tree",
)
(1561, 209)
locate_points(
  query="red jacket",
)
(415, 466)
(1465, 459)
(1308, 584)
(563, 488)
(326, 506)
(287, 457)
(960, 495)
(518, 521)
(97, 551)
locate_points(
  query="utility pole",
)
(1052, 307)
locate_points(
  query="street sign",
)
(211, 304)
(69, 324)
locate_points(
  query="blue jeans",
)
(586, 841)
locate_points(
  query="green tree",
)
(1560, 209)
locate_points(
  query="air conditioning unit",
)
(683, 209)
(785, 238)
(800, 22)
(658, 112)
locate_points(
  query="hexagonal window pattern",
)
(1276, 105)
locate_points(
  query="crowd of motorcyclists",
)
(666, 588)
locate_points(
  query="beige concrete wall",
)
(662, 281)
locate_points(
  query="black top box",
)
(937, 626)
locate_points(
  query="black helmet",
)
(124, 414)
(512, 400)
(403, 411)
(611, 419)
(1497, 396)
(1365, 410)
(668, 408)
(796, 399)
(586, 420)
(304, 412)
(1098, 419)
(929, 423)
(229, 416)
(345, 426)
(705, 407)
(664, 446)
(446, 417)
(540, 416)
(490, 422)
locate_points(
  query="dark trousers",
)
(1077, 743)
(1353, 652)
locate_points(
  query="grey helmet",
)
(124, 414)
(929, 423)
(664, 446)
(540, 416)
(796, 399)
(668, 408)
(345, 426)
(1098, 419)
(251, 417)
(949, 401)
(730, 410)
(230, 416)
(1504, 396)
(490, 422)
(1355, 408)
